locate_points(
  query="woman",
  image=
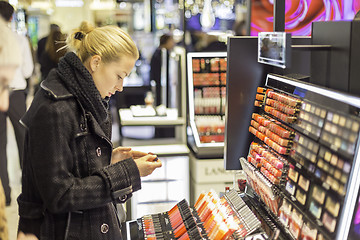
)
(54, 50)
(72, 177)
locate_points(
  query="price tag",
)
(298, 165)
(306, 132)
(293, 199)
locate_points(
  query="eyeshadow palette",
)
(333, 170)
(340, 132)
(304, 148)
(311, 118)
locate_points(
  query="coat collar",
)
(54, 87)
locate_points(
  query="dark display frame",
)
(333, 102)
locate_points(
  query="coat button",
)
(82, 127)
(123, 198)
(104, 228)
(98, 151)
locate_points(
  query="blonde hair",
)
(9, 46)
(109, 42)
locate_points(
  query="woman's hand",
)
(147, 164)
(121, 153)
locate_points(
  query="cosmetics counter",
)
(206, 73)
(207, 93)
(302, 167)
(211, 217)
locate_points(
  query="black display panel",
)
(244, 75)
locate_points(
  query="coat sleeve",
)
(52, 162)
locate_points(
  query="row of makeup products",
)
(210, 92)
(273, 166)
(301, 148)
(336, 129)
(303, 228)
(181, 222)
(211, 218)
(320, 162)
(209, 105)
(229, 215)
(339, 130)
(209, 64)
(279, 105)
(298, 185)
(277, 169)
(272, 132)
(210, 128)
(206, 79)
(322, 206)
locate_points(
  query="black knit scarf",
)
(80, 83)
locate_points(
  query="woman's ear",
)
(95, 62)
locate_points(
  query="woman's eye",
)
(120, 78)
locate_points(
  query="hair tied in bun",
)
(79, 36)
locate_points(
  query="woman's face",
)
(109, 77)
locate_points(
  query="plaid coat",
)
(68, 184)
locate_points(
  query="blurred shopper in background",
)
(54, 50)
(10, 59)
(166, 42)
(72, 177)
(42, 42)
(17, 101)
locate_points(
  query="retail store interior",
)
(255, 115)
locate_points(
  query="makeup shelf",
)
(313, 135)
(207, 92)
(211, 217)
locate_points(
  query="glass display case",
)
(207, 92)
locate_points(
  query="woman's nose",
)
(119, 87)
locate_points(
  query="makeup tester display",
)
(302, 156)
(211, 218)
(207, 93)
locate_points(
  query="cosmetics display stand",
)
(211, 217)
(304, 161)
(206, 73)
(207, 91)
